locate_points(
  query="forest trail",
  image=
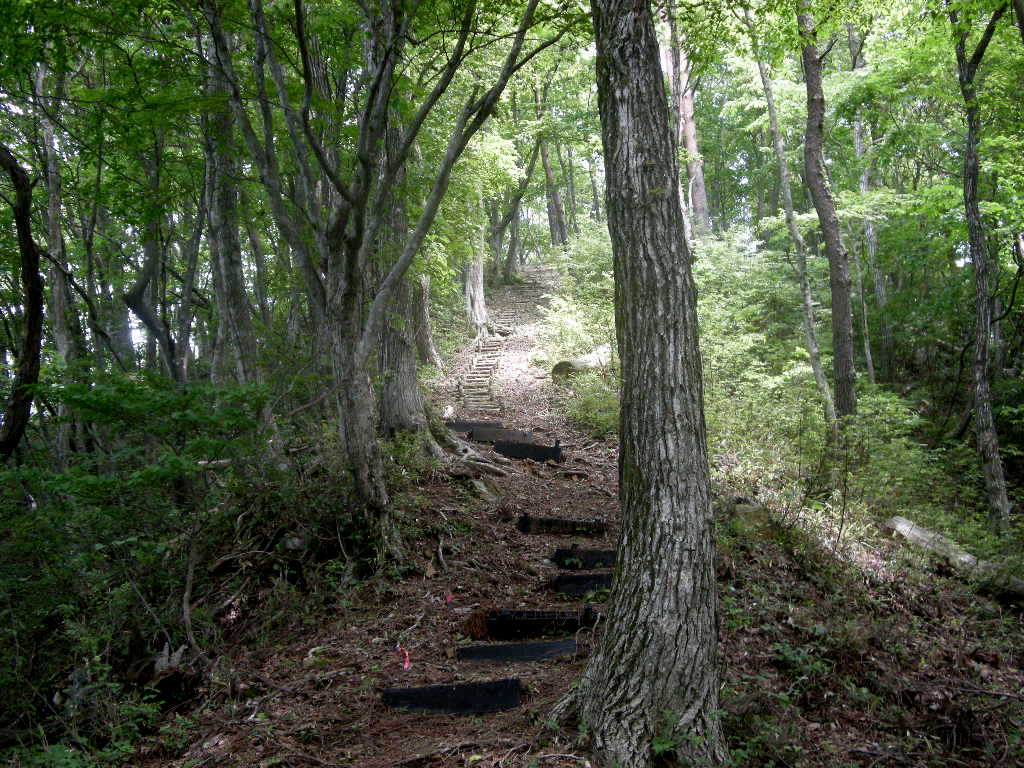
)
(317, 700)
(824, 662)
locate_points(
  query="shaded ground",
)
(826, 664)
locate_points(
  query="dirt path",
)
(318, 699)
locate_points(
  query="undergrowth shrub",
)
(594, 403)
(173, 497)
(766, 429)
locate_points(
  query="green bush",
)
(594, 403)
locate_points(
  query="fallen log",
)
(982, 570)
(599, 358)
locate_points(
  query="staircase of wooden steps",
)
(506, 635)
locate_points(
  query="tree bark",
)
(984, 423)
(658, 658)
(19, 404)
(799, 247)
(401, 402)
(824, 204)
(424, 329)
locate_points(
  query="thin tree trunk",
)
(594, 191)
(658, 658)
(512, 255)
(140, 297)
(67, 331)
(799, 247)
(824, 204)
(473, 292)
(682, 89)
(18, 409)
(860, 139)
(566, 166)
(984, 423)
(556, 213)
(234, 310)
(869, 362)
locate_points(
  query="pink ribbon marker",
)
(404, 652)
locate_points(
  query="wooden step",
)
(517, 652)
(458, 698)
(574, 559)
(561, 526)
(519, 450)
(469, 426)
(490, 435)
(582, 584)
(509, 624)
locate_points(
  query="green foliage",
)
(594, 403)
(93, 557)
(581, 316)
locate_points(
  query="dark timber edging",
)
(458, 698)
(574, 559)
(519, 450)
(515, 652)
(497, 434)
(562, 526)
(507, 624)
(469, 426)
(581, 584)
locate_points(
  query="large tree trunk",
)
(799, 247)
(19, 404)
(984, 423)
(401, 402)
(658, 657)
(824, 204)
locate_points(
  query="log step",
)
(519, 450)
(574, 559)
(486, 435)
(581, 584)
(562, 526)
(517, 652)
(469, 426)
(508, 624)
(458, 698)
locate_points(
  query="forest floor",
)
(880, 660)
